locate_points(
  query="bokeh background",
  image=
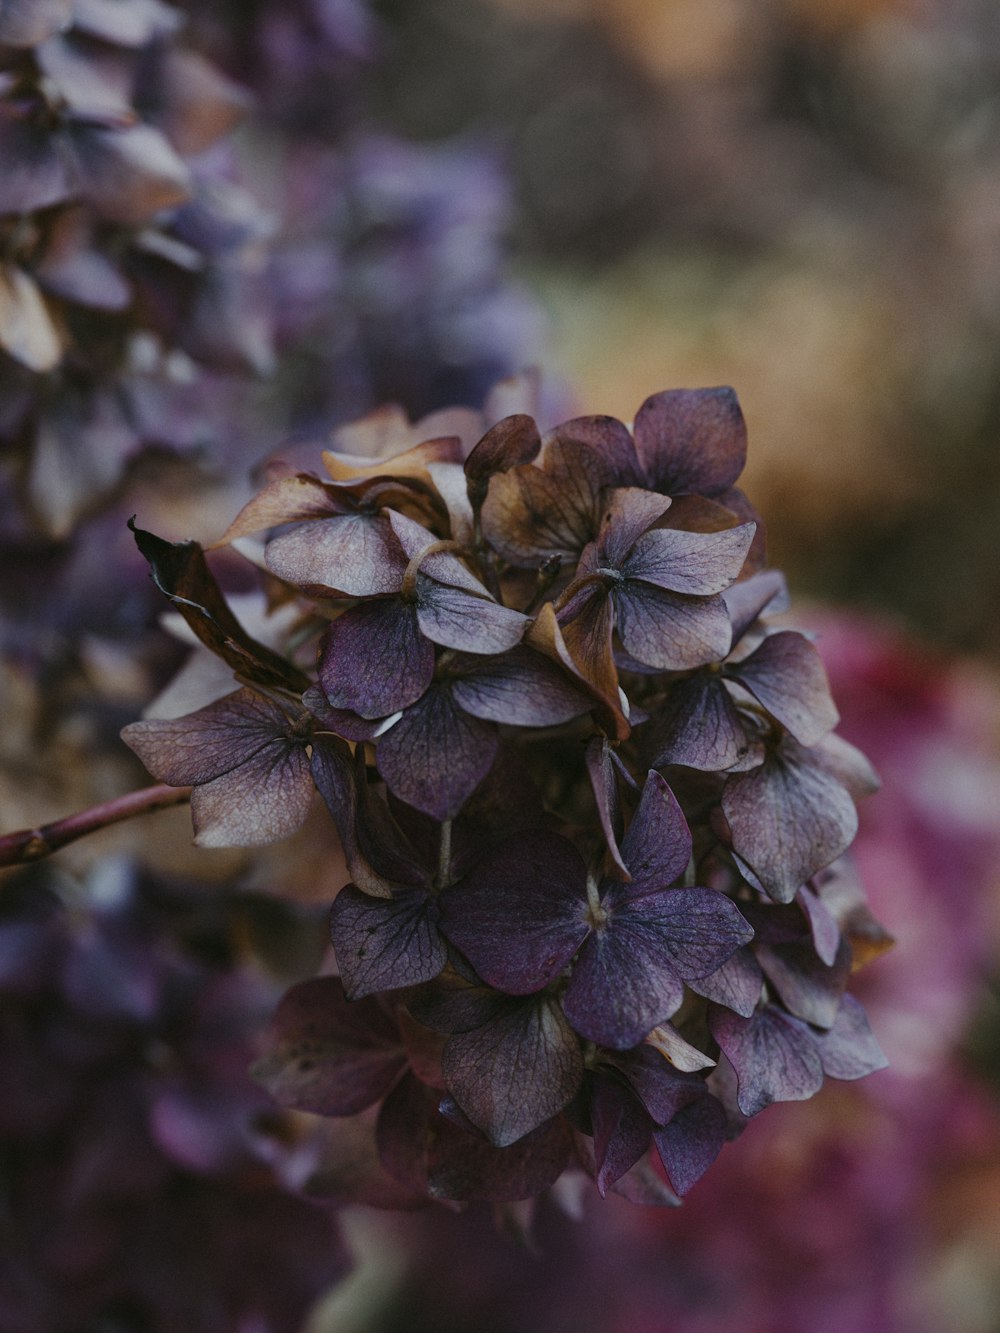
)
(800, 198)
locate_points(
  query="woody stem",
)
(32, 844)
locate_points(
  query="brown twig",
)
(34, 843)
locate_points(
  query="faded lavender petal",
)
(451, 617)
(213, 741)
(604, 784)
(691, 562)
(786, 674)
(662, 1089)
(789, 819)
(430, 1153)
(267, 798)
(822, 924)
(849, 1049)
(520, 688)
(657, 846)
(809, 988)
(28, 22)
(628, 512)
(668, 630)
(356, 555)
(748, 600)
(699, 726)
(775, 1057)
(737, 984)
(464, 1166)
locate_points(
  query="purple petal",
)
(464, 1166)
(522, 688)
(374, 660)
(622, 1131)
(34, 170)
(334, 778)
(787, 676)
(627, 978)
(691, 440)
(669, 631)
(126, 173)
(692, 1141)
(428, 1152)
(604, 782)
(385, 944)
(436, 755)
(380, 839)
(203, 1128)
(353, 554)
(456, 1005)
(699, 726)
(822, 923)
(622, 985)
(808, 987)
(607, 441)
(662, 1089)
(750, 599)
(341, 721)
(774, 1056)
(788, 819)
(644, 1185)
(441, 566)
(657, 846)
(516, 1071)
(210, 742)
(849, 1050)
(321, 1053)
(628, 512)
(454, 619)
(521, 914)
(265, 799)
(847, 764)
(693, 562)
(736, 984)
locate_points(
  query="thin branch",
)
(32, 844)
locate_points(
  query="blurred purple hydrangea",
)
(147, 1183)
(586, 793)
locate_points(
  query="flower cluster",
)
(585, 791)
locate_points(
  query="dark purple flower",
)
(525, 912)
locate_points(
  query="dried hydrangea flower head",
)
(584, 787)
